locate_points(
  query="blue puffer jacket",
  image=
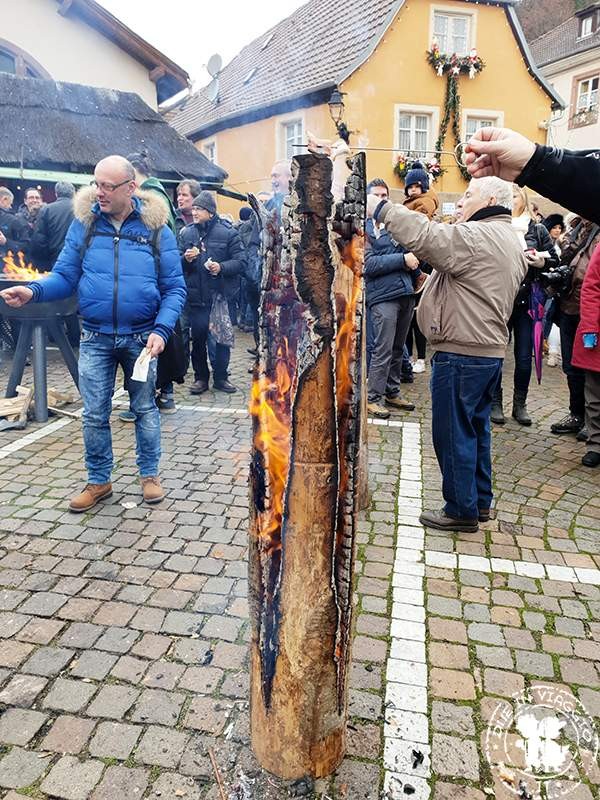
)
(386, 275)
(117, 283)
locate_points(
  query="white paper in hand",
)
(140, 368)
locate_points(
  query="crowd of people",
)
(159, 283)
(155, 284)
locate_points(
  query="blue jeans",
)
(462, 388)
(99, 356)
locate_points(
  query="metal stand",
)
(35, 331)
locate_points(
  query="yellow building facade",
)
(395, 98)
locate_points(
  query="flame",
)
(19, 270)
(270, 405)
(351, 258)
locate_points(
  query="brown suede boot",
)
(91, 495)
(153, 491)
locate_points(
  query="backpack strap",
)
(91, 232)
(89, 235)
(154, 243)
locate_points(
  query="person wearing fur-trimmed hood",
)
(123, 262)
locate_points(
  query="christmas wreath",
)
(403, 162)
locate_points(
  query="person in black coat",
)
(390, 304)
(571, 178)
(51, 226)
(249, 231)
(13, 233)
(541, 255)
(213, 258)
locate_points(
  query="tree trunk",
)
(306, 406)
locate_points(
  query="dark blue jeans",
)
(462, 388)
(99, 357)
(521, 327)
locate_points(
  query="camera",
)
(557, 279)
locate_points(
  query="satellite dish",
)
(214, 65)
(212, 90)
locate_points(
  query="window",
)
(452, 33)
(473, 124)
(210, 150)
(7, 62)
(587, 95)
(292, 133)
(587, 25)
(17, 62)
(413, 133)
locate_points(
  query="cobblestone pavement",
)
(123, 660)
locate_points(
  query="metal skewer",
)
(454, 153)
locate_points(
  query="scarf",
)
(521, 226)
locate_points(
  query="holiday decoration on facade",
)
(403, 162)
(453, 66)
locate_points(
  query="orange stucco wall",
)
(397, 73)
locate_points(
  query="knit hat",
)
(245, 213)
(554, 219)
(416, 174)
(206, 201)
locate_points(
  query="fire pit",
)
(37, 321)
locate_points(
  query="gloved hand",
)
(590, 340)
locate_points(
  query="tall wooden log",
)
(306, 406)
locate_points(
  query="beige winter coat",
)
(478, 268)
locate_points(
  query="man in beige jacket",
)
(478, 266)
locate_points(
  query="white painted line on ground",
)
(406, 723)
(35, 436)
(41, 433)
(529, 569)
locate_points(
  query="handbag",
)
(173, 362)
(219, 322)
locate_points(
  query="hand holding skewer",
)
(16, 296)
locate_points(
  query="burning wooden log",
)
(306, 407)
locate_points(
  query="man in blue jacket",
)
(123, 261)
(390, 306)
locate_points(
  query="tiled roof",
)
(561, 42)
(309, 49)
(314, 49)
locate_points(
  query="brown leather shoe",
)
(400, 403)
(91, 495)
(153, 491)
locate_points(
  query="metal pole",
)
(55, 328)
(19, 359)
(40, 390)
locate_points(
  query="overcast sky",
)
(190, 31)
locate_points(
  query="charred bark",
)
(306, 406)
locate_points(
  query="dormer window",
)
(588, 25)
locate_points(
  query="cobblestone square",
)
(123, 664)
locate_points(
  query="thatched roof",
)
(68, 127)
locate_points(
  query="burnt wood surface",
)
(306, 406)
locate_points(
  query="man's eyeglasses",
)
(109, 188)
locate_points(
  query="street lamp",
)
(336, 111)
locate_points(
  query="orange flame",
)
(19, 270)
(269, 404)
(351, 258)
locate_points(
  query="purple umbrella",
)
(537, 300)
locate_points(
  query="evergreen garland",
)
(453, 67)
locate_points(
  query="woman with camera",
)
(540, 255)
